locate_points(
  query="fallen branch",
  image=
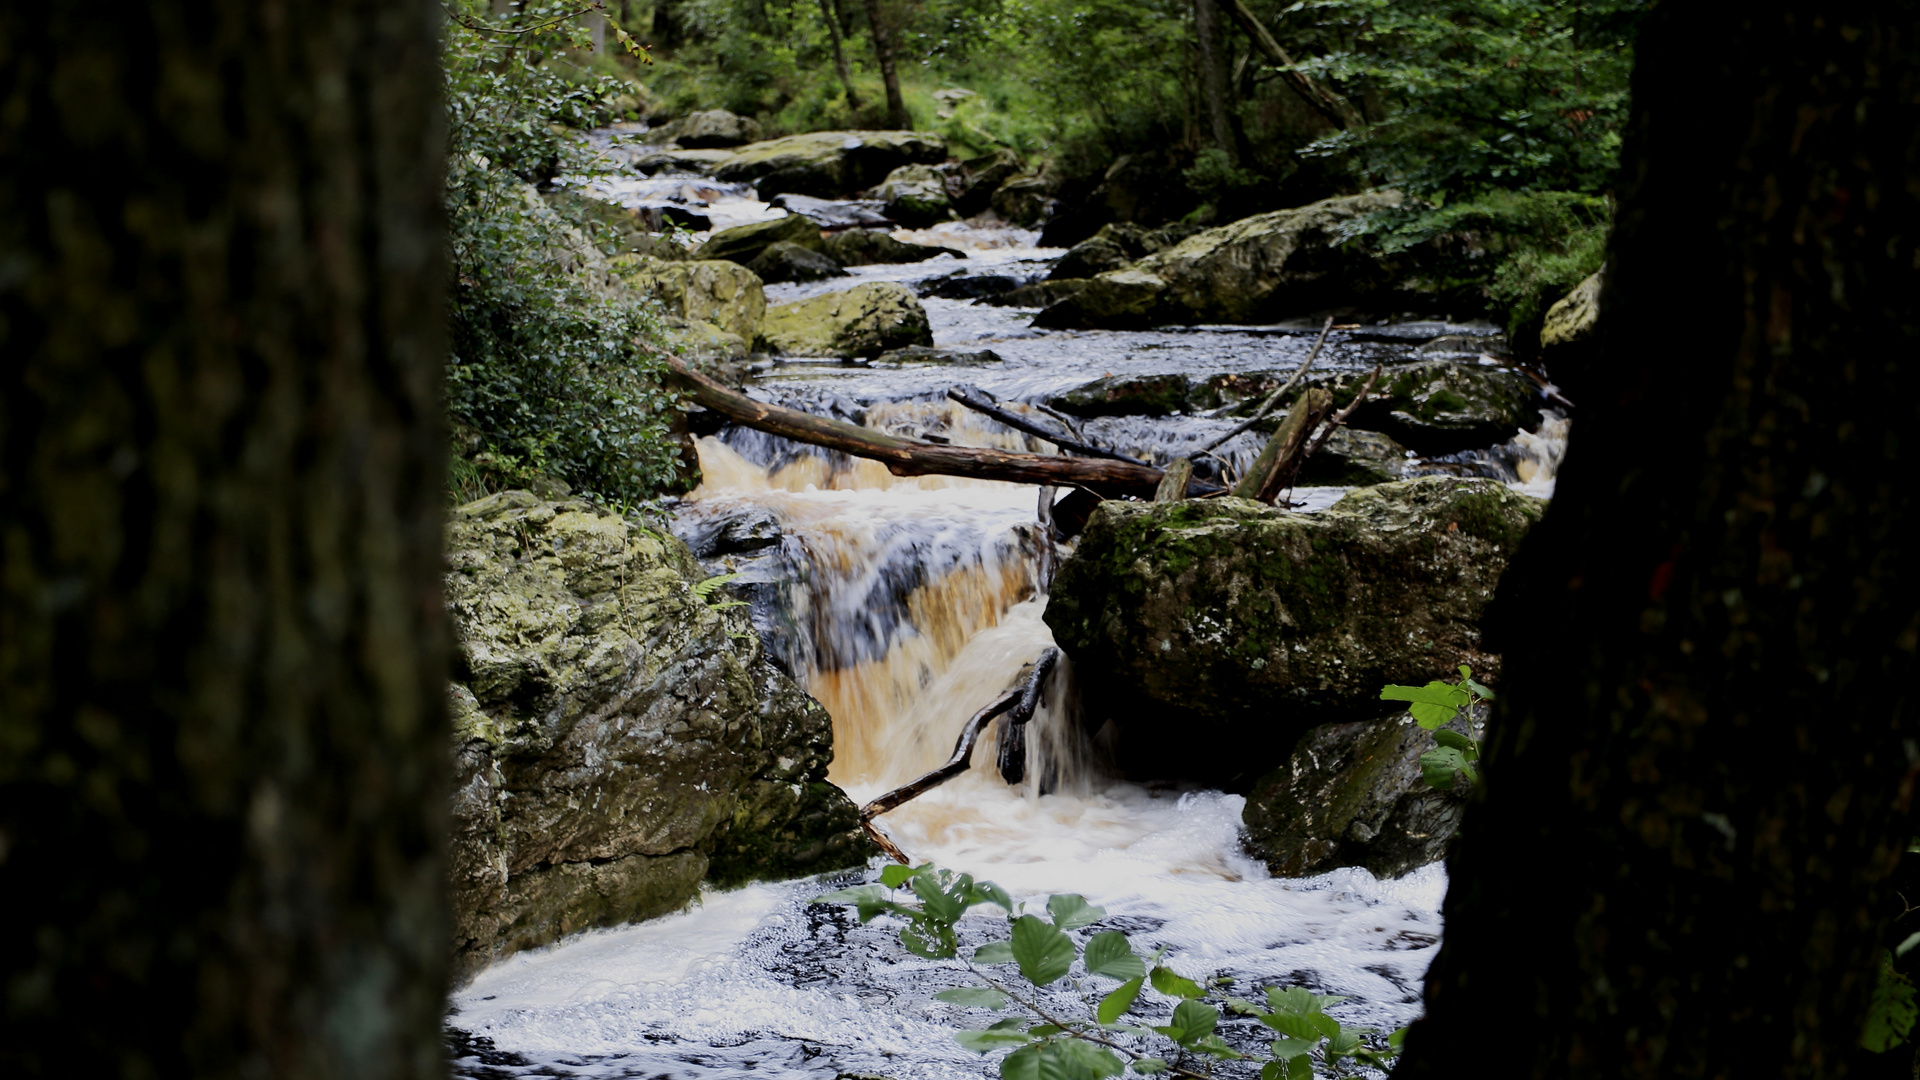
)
(1274, 470)
(1330, 105)
(1012, 756)
(1020, 423)
(915, 457)
(1021, 700)
(1273, 399)
(1340, 418)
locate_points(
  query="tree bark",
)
(1700, 772)
(839, 53)
(1216, 91)
(897, 117)
(223, 754)
(1328, 104)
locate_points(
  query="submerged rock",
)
(617, 738)
(826, 164)
(862, 321)
(743, 243)
(1214, 632)
(791, 262)
(921, 354)
(701, 292)
(1352, 795)
(1249, 271)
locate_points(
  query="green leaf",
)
(1431, 705)
(1172, 985)
(994, 952)
(1109, 954)
(988, 1040)
(1292, 1025)
(1891, 1012)
(1457, 741)
(941, 906)
(1194, 1019)
(1466, 672)
(1242, 1007)
(992, 894)
(1324, 1024)
(1397, 1038)
(1479, 689)
(1116, 1004)
(1287, 1049)
(1071, 911)
(1342, 1044)
(896, 875)
(857, 895)
(1072, 1059)
(1022, 1064)
(1149, 1066)
(1294, 1000)
(1041, 1031)
(1439, 766)
(1042, 951)
(1273, 1070)
(1300, 1068)
(1217, 1047)
(974, 997)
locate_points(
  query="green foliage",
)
(545, 377)
(1432, 706)
(1891, 1013)
(1098, 1040)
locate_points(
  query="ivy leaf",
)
(994, 952)
(1042, 951)
(1071, 911)
(1172, 985)
(973, 997)
(1109, 954)
(1116, 1004)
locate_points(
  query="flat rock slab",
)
(1214, 632)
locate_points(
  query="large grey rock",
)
(700, 291)
(1252, 270)
(1573, 317)
(865, 320)
(981, 177)
(714, 129)
(1025, 199)
(1355, 458)
(826, 164)
(871, 247)
(915, 195)
(1352, 795)
(743, 242)
(616, 738)
(791, 262)
(1214, 632)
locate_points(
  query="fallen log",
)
(1274, 469)
(1012, 757)
(1273, 399)
(1020, 700)
(1014, 420)
(915, 457)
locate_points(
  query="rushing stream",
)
(904, 605)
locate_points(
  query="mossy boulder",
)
(1214, 632)
(711, 129)
(915, 195)
(1573, 317)
(700, 291)
(981, 177)
(827, 164)
(1355, 458)
(743, 243)
(865, 320)
(1126, 395)
(617, 739)
(1252, 270)
(1025, 200)
(872, 247)
(791, 262)
(1444, 406)
(1352, 795)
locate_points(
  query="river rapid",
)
(904, 606)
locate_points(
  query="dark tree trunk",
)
(1216, 92)
(222, 742)
(839, 53)
(1700, 772)
(877, 25)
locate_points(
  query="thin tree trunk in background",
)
(897, 117)
(1216, 92)
(1700, 773)
(223, 754)
(839, 53)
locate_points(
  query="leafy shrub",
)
(1432, 706)
(1097, 1039)
(544, 377)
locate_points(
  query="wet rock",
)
(964, 286)
(1126, 395)
(833, 213)
(1462, 347)
(743, 242)
(1213, 633)
(865, 320)
(742, 531)
(1572, 318)
(1095, 255)
(616, 738)
(871, 247)
(980, 177)
(791, 262)
(724, 294)
(706, 341)
(826, 164)
(672, 161)
(1040, 294)
(1443, 407)
(1352, 795)
(1024, 200)
(711, 129)
(1355, 458)
(922, 354)
(1252, 270)
(915, 195)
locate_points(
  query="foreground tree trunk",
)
(222, 746)
(882, 31)
(1700, 773)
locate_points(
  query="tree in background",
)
(1700, 775)
(223, 756)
